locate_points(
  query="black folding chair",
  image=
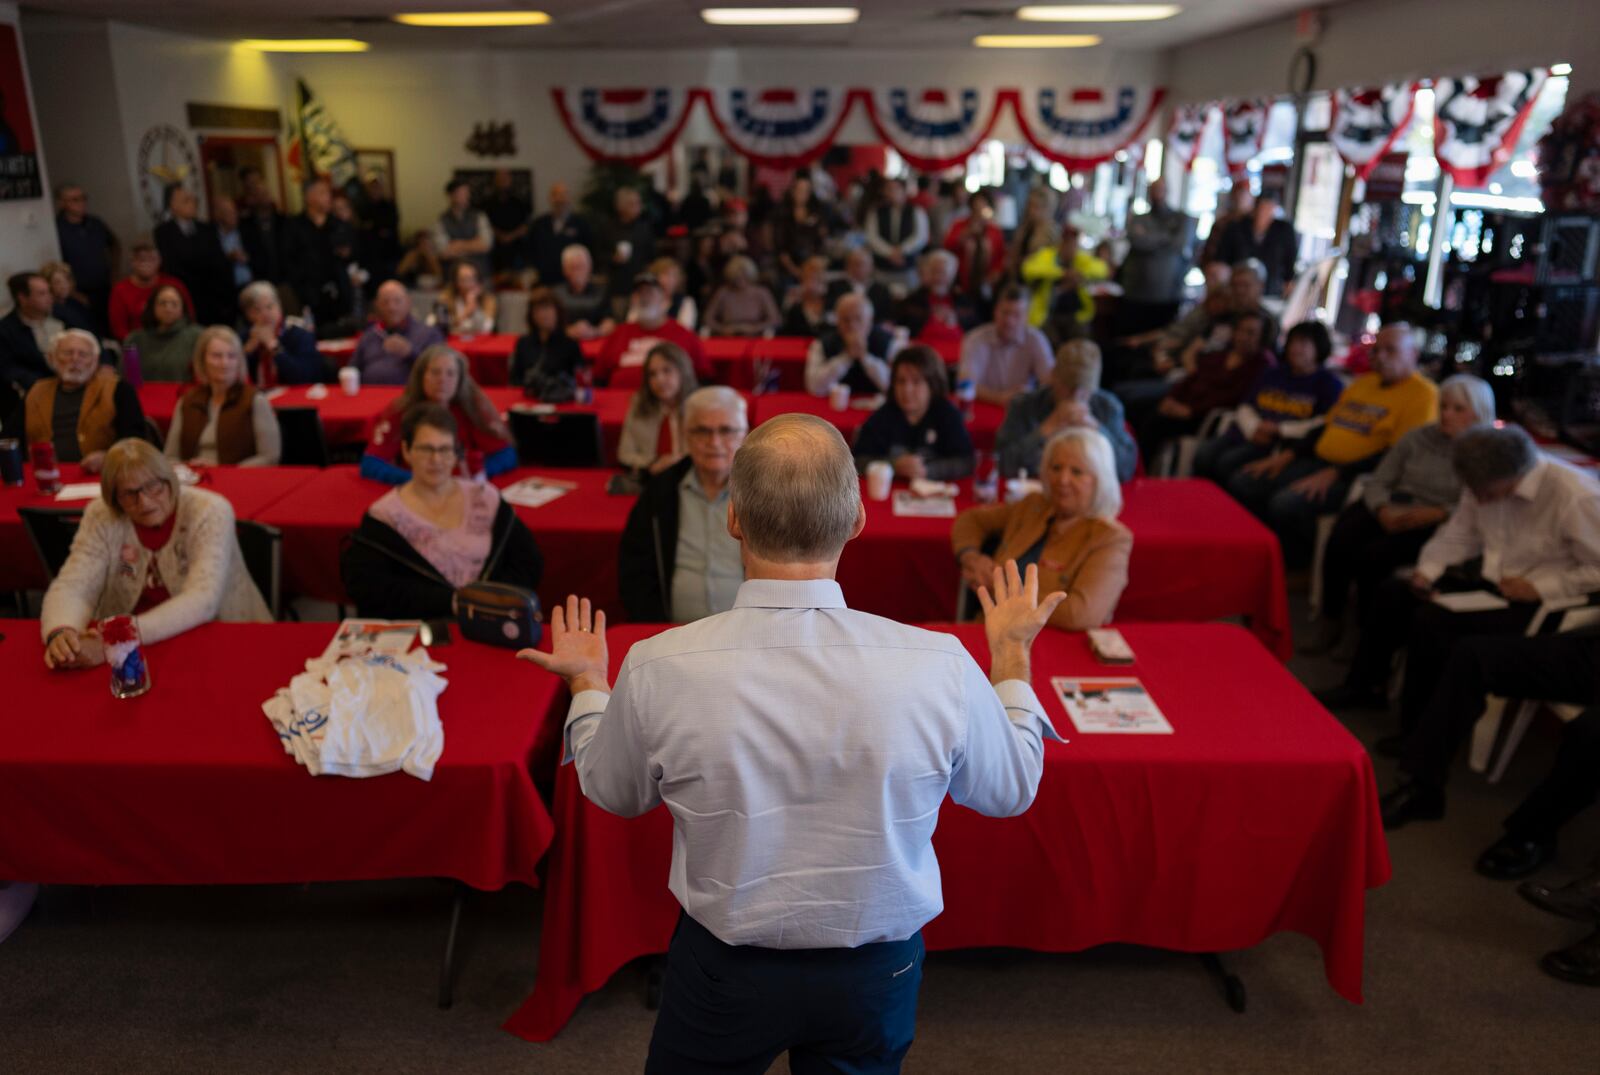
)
(51, 530)
(565, 439)
(304, 444)
(262, 548)
(152, 432)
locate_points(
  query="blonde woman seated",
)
(652, 433)
(741, 306)
(223, 419)
(465, 308)
(85, 407)
(1070, 530)
(150, 548)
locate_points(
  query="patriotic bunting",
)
(1083, 127)
(1366, 123)
(1244, 129)
(1477, 122)
(631, 126)
(1188, 129)
(779, 128)
(934, 129)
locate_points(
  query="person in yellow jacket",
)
(1061, 304)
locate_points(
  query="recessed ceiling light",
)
(1036, 41)
(1097, 12)
(779, 16)
(474, 18)
(305, 44)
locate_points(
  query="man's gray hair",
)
(795, 490)
(71, 334)
(715, 397)
(943, 256)
(254, 293)
(1485, 455)
(1096, 451)
(576, 250)
(850, 298)
(1252, 266)
(1474, 392)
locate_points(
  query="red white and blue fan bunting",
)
(1083, 127)
(779, 128)
(934, 129)
(630, 126)
(1244, 129)
(1477, 122)
(1188, 128)
(1366, 123)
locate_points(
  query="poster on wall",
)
(19, 153)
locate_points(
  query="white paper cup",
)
(839, 397)
(350, 380)
(880, 479)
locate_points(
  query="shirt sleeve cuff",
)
(1023, 707)
(585, 704)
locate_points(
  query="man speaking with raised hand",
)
(804, 751)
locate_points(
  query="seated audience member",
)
(151, 548)
(652, 433)
(742, 306)
(585, 302)
(677, 562)
(897, 233)
(854, 353)
(1526, 528)
(1161, 350)
(1559, 669)
(917, 430)
(465, 308)
(1061, 304)
(1145, 379)
(1069, 530)
(1006, 357)
(420, 266)
(278, 352)
(858, 278)
(1072, 399)
(424, 540)
(390, 345)
(165, 339)
(1291, 487)
(621, 361)
(545, 352)
(681, 306)
(1285, 404)
(223, 419)
(979, 246)
(130, 295)
(809, 312)
(85, 408)
(65, 304)
(935, 313)
(1403, 502)
(441, 377)
(1218, 381)
(462, 232)
(26, 332)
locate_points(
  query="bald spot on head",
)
(795, 490)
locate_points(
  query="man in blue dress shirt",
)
(803, 750)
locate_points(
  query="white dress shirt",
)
(1547, 531)
(804, 750)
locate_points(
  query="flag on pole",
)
(318, 146)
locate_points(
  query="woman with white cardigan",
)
(150, 548)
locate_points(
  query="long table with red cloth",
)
(189, 784)
(1257, 815)
(986, 417)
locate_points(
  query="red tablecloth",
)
(983, 427)
(189, 784)
(1258, 815)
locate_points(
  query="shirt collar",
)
(691, 481)
(1528, 487)
(787, 593)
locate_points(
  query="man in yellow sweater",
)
(1290, 488)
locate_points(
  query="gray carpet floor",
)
(341, 978)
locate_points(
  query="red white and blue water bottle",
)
(130, 675)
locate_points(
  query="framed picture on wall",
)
(377, 164)
(19, 154)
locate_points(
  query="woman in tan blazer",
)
(1070, 530)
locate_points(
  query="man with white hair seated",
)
(853, 354)
(585, 303)
(85, 408)
(678, 562)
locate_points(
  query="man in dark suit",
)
(260, 226)
(191, 250)
(314, 269)
(553, 232)
(24, 333)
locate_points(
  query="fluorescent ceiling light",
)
(1036, 41)
(306, 44)
(779, 16)
(474, 18)
(1097, 12)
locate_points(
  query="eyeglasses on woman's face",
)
(433, 451)
(130, 497)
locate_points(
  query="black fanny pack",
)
(499, 614)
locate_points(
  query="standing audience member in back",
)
(223, 419)
(278, 352)
(980, 249)
(858, 279)
(386, 350)
(225, 215)
(25, 335)
(509, 218)
(191, 250)
(677, 561)
(90, 247)
(66, 301)
(130, 295)
(165, 338)
(1073, 399)
(462, 233)
(1061, 305)
(653, 432)
(585, 301)
(621, 361)
(551, 233)
(261, 226)
(424, 540)
(935, 313)
(85, 408)
(545, 353)
(1007, 356)
(1264, 236)
(741, 306)
(465, 307)
(1413, 490)
(897, 233)
(378, 226)
(315, 269)
(441, 376)
(631, 244)
(853, 354)
(1291, 487)
(1036, 231)
(800, 229)
(1160, 250)
(809, 311)
(918, 431)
